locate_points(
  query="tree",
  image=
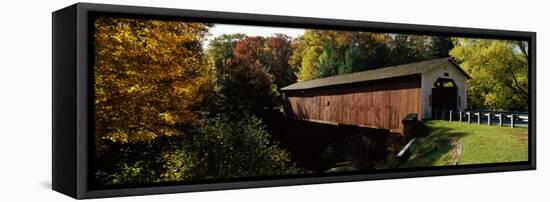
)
(298, 51)
(440, 46)
(220, 50)
(218, 147)
(249, 86)
(499, 70)
(278, 50)
(406, 48)
(323, 53)
(307, 53)
(305, 56)
(228, 147)
(253, 73)
(152, 83)
(148, 75)
(329, 61)
(372, 51)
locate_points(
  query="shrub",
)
(217, 147)
(240, 148)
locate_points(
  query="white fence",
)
(511, 119)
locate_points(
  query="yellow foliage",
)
(147, 75)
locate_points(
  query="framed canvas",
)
(157, 100)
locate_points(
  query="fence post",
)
(489, 118)
(478, 117)
(512, 123)
(451, 116)
(469, 116)
(460, 116)
(500, 119)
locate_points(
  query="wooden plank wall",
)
(380, 104)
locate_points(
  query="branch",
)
(151, 130)
(517, 85)
(522, 48)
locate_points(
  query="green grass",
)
(479, 144)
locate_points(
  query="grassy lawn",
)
(447, 143)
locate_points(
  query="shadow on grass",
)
(433, 149)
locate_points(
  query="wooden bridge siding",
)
(375, 104)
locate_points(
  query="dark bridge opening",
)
(319, 147)
(444, 96)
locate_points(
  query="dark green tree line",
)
(324, 53)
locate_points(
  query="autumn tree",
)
(152, 82)
(220, 51)
(499, 70)
(148, 75)
(248, 86)
(218, 147)
(305, 56)
(323, 53)
(253, 71)
(278, 50)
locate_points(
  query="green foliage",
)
(328, 63)
(440, 46)
(305, 57)
(499, 71)
(238, 148)
(328, 53)
(406, 48)
(178, 164)
(134, 173)
(220, 50)
(480, 144)
(324, 53)
(217, 147)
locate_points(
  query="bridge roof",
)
(376, 74)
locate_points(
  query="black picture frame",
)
(72, 101)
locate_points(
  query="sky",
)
(249, 30)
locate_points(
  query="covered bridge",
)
(380, 98)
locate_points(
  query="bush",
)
(217, 147)
(128, 173)
(241, 148)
